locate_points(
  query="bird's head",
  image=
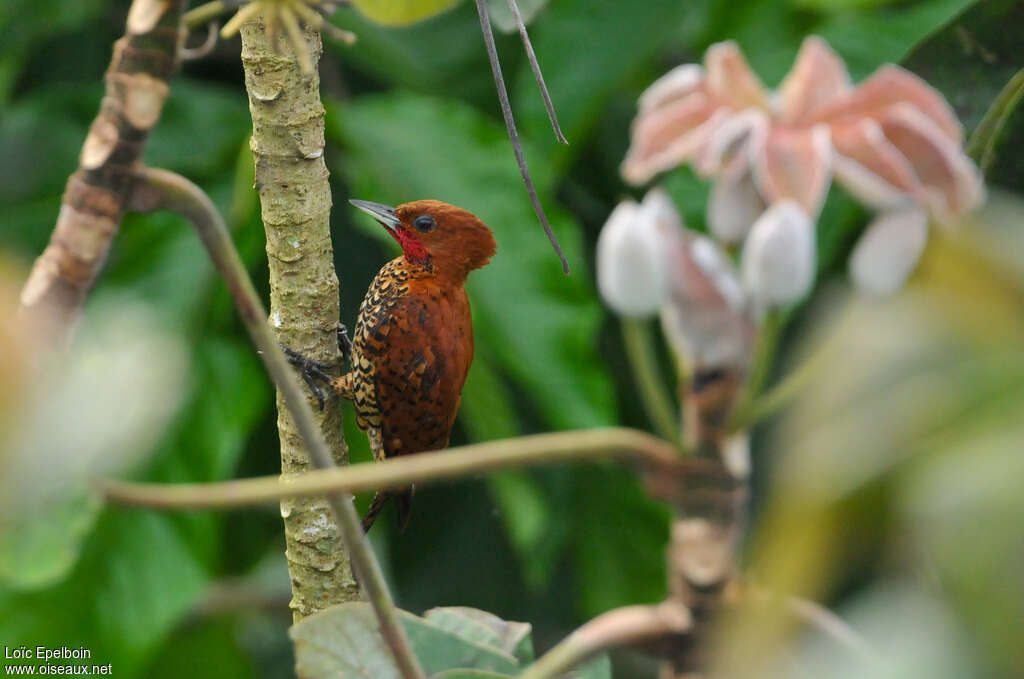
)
(446, 239)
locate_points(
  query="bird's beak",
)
(385, 214)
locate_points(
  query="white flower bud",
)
(778, 257)
(888, 251)
(630, 261)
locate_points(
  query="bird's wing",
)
(419, 376)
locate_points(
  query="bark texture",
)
(710, 521)
(295, 197)
(96, 194)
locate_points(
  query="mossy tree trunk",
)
(292, 181)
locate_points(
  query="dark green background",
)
(412, 114)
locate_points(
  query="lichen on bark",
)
(295, 197)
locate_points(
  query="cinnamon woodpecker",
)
(413, 341)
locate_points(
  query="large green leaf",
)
(401, 12)
(894, 32)
(970, 61)
(40, 547)
(615, 544)
(485, 628)
(136, 579)
(537, 322)
(344, 641)
(587, 49)
(487, 413)
(410, 57)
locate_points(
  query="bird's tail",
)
(403, 503)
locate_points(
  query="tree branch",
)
(94, 200)
(630, 625)
(160, 189)
(657, 457)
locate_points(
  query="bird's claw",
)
(344, 344)
(313, 373)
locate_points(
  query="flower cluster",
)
(649, 263)
(893, 142)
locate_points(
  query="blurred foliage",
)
(451, 643)
(904, 459)
(412, 114)
(401, 12)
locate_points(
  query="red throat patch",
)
(412, 248)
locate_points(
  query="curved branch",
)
(160, 189)
(620, 627)
(561, 447)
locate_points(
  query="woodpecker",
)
(413, 340)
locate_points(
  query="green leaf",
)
(619, 529)
(485, 628)
(215, 640)
(403, 147)
(982, 144)
(894, 32)
(402, 12)
(527, 515)
(409, 59)
(971, 61)
(598, 668)
(137, 577)
(587, 49)
(487, 413)
(469, 674)
(501, 15)
(344, 641)
(40, 546)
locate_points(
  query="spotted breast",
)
(411, 352)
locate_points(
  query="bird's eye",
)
(424, 223)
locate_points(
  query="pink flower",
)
(893, 142)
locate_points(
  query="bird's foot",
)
(313, 373)
(344, 344)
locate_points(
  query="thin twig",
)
(199, 51)
(478, 458)
(537, 75)
(639, 345)
(160, 189)
(513, 134)
(198, 16)
(619, 627)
